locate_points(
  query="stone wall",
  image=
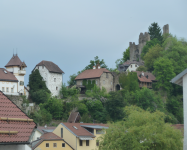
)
(106, 81)
(18, 100)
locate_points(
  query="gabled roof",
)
(5, 75)
(78, 128)
(73, 117)
(91, 73)
(52, 67)
(129, 62)
(42, 128)
(15, 61)
(179, 78)
(151, 77)
(47, 137)
(9, 110)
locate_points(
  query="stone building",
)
(101, 76)
(52, 75)
(12, 78)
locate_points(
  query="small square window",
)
(7, 89)
(54, 144)
(54, 79)
(3, 89)
(47, 144)
(135, 65)
(63, 145)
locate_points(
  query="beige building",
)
(81, 136)
(101, 76)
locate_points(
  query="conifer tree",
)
(155, 32)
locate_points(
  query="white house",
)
(52, 75)
(129, 66)
(181, 79)
(12, 78)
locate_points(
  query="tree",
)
(164, 72)
(155, 32)
(126, 55)
(68, 92)
(114, 106)
(95, 62)
(141, 130)
(141, 68)
(149, 44)
(71, 81)
(129, 81)
(40, 96)
(152, 55)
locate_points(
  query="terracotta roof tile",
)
(10, 110)
(150, 75)
(7, 76)
(81, 131)
(52, 67)
(91, 73)
(15, 61)
(72, 117)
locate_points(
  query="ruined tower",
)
(166, 29)
(136, 50)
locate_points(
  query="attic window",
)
(5, 71)
(75, 127)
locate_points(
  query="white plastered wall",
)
(132, 67)
(36, 135)
(14, 147)
(9, 85)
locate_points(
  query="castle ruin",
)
(136, 50)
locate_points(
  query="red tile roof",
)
(91, 73)
(7, 76)
(81, 131)
(150, 75)
(10, 110)
(15, 61)
(73, 117)
(52, 67)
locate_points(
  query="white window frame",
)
(12, 90)
(3, 89)
(7, 90)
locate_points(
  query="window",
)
(111, 82)
(38, 67)
(87, 142)
(103, 81)
(63, 144)
(106, 75)
(54, 144)
(80, 142)
(42, 67)
(135, 65)
(47, 145)
(56, 88)
(3, 89)
(54, 79)
(12, 90)
(80, 82)
(7, 89)
(99, 132)
(96, 82)
(21, 83)
(97, 143)
(61, 132)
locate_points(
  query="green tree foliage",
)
(150, 57)
(141, 130)
(129, 81)
(89, 84)
(41, 117)
(71, 81)
(126, 55)
(141, 68)
(40, 96)
(82, 109)
(114, 106)
(149, 44)
(94, 63)
(54, 106)
(67, 92)
(164, 72)
(155, 32)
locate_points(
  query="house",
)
(52, 75)
(181, 79)
(145, 79)
(129, 66)
(16, 128)
(12, 78)
(74, 117)
(101, 76)
(50, 141)
(40, 130)
(81, 136)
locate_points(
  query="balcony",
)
(22, 72)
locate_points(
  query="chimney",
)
(142, 73)
(93, 67)
(98, 65)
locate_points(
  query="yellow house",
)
(81, 136)
(50, 141)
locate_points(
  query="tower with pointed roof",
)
(17, 68)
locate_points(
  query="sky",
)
(70, 33)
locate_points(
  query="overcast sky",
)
(70, 33)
